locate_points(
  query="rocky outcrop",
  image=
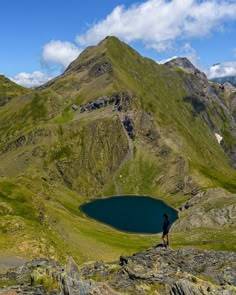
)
(214, 207)
(120, 102)
(75, 67)
(165, 271)
(129, 126)
(78, 67)
(33, 137)
(212, 102)
(100, 69)
(184, 64)
(43, 276)
(155, 271)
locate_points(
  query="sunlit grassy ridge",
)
(9, 90)
(53, 159)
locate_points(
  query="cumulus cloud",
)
(31, 79)
(159, 23)
(59, 53)
(185, 51)
(191, 54)
(55, 53)
(222, 70)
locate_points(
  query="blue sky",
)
(39, 38)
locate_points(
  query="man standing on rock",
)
(165, 227)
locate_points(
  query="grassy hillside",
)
(54, 158)
(9, 90)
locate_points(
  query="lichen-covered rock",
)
(186, 271)
(155, 271)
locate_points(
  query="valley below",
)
(116, 123)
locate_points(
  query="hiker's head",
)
(165, 216)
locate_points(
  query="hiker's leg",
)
(163, 239)
(167, 239)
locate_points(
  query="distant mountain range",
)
(229, 79)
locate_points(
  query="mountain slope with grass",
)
(9, 90)
(116, 123)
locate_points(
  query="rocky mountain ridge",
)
(184, 64)
(155, 271)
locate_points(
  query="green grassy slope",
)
(53, 158)
(9, 90)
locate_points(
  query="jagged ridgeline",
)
(115, 123)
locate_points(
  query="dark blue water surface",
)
(136, 214)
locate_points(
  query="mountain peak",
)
(109, 38)
(92, 53)
(184, 64)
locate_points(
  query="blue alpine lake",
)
(134, 214)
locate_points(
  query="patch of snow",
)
(218, 137)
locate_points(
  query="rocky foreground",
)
(154, 271)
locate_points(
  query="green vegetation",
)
(63, 152)
(37, 107)
(66, 158)
(7, 283)
(48, 283)
(218, 178)
(9, 90)
(64, 117)
(206, 238)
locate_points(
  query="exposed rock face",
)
(34, 137)
(184, 271)
(100, 69)
(74, 66)
(120, 102)
(184, 64)
(74, 107)
(215, 207)
(154, 271)
(129, 126)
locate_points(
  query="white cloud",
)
(163, 61)
(159, 23)
(59, 53)
(191, 54)
(185, 51)
(222, 70)
(54, 53)
(31, 79)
